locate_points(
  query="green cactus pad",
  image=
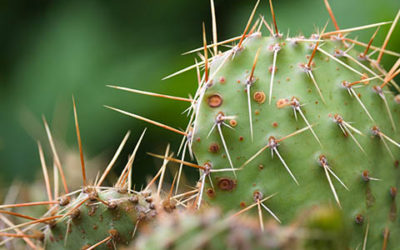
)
(346, 140)
(209, 229)
(93, 221)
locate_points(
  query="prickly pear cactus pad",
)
(92, 217)
(108, 217)
(286, 123)
(209, 229)
(317, 139)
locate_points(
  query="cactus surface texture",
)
(296, 140)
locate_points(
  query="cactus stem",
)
(385, 43)
(55, 156)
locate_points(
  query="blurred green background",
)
(51, 50)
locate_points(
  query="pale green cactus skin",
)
(210, 229)
(372, 200)
(96, 221)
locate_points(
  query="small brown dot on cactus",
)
(222, 80)
(396, 164)
(112, 205)
(261, 166)
(241, 138)
(288, 79)
(214, 147)
(113, 233)
(270, 69)
(316, 102)
(95, 227)
(64, 201)
(238, 81)
(309, 90)
(134, 199)
(214, 101)
(210, 192)
(257, 112)
(233, 122)
(93, 196)
(198, 139)
(242, 204)
(337, 68)
(259, 97)
(257, 195)
(281, 103)
(359, 219)
(226, 184)
(393, 192)
(365, 175)
(75, 213)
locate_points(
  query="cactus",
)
(208, 229)
(322, 109)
